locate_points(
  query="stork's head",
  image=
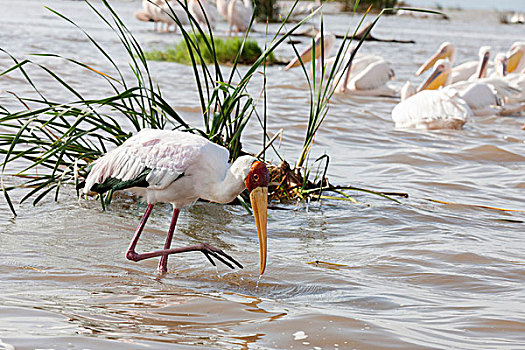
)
(446, 50)
(257, 184)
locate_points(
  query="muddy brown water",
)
(418, 275)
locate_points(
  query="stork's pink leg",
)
(208, 250)
(130, 254)
(163, 263)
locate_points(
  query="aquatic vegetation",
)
(58, 141)
(226, 51)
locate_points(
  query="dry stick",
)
(358, 36)
(400, 194)
(280, 132)
(361, 33)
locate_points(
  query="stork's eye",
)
(256, 177)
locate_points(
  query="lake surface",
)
(501, 5)
(416, 275)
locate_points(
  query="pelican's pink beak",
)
(257, 184)
(483, 66)
(435, 80)
(513, 59)
(431, 61)
(504, 67)
(306, 55)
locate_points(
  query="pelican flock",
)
(360, 75)
(237, 13)
(446, 99)
(180, 168)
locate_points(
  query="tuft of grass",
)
(56, 142)
(225, 51)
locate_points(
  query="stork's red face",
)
(258, 176)
(257, 184)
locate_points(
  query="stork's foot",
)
(163, 265)
(210, 251)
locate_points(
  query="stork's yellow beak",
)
(259, 200)
(513, 59)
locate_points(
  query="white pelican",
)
(222, 7)
(147, 14)
(179, 168)
(516, 58)
(166, 12)
(483, 64)
(364, 75)
(483, 96)
(500, 66)
(314, 51)
(239, 15)
(369, 81)
(430, 109)
(209, 13)
(461, 72)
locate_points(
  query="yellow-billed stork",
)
(179, 168)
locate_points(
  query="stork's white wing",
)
(166, 153)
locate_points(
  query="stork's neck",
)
(227, 189)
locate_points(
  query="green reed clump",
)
(225, 51)
(57, 141)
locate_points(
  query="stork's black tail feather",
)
(114, 184)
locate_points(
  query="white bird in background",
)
(179, 168)
(160, 11)
(239, 15)
(209, 13)
(516, 58)
(314, 54)
(363, 75)
(482, 65)
(367, 78)
(147, 13)
(461, 72)
(483, 96)
(222, 8)
(500, 66)
(430, 109)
